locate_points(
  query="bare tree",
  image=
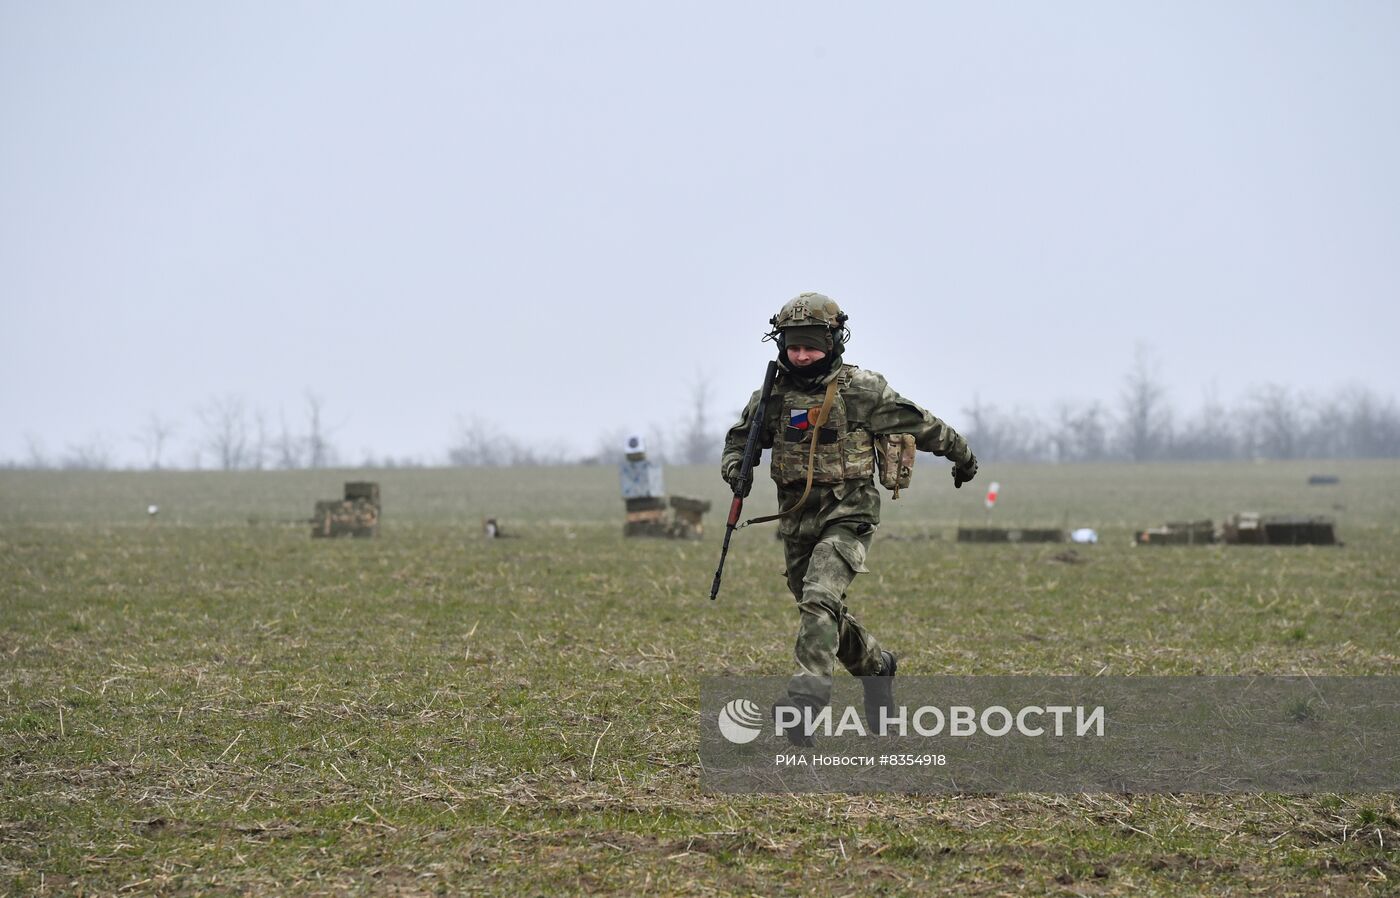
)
(154, 434)
(982, 429)
(1209, 435)
(225, 431)
(1081, 434)
(1061, 438)
(1367, 427)
(1004, 437)
(477, 443)
(258, 451)
(698, 444)
(91, 455)
(1274, 421)
(1146, 421)
(36, 456)
(318, 448)
(286, 447)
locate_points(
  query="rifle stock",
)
(752, 447)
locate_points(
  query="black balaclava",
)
(811, 376)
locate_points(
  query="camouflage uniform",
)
(826, 540)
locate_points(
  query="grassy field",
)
(214, 703)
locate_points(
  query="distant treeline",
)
(225, 433)
(1270, 422)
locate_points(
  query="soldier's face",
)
(802, 356)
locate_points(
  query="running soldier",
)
(824, 424)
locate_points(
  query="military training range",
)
(500, 668)
(725, 450)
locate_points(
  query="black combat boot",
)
(879, 693)
(796, 733)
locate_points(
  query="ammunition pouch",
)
(894, 457)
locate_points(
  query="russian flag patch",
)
(798, 419)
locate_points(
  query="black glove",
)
(964, 472)
(731, 477)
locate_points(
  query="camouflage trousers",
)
(820, 566)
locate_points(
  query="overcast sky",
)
(556, 217)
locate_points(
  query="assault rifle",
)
(742, 483)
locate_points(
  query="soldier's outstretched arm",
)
(895, 414)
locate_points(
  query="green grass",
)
(200, 705)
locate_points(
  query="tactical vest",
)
(845, 449)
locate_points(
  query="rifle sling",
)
(822, 415)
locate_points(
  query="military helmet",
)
(807, 309)
(809, 316)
